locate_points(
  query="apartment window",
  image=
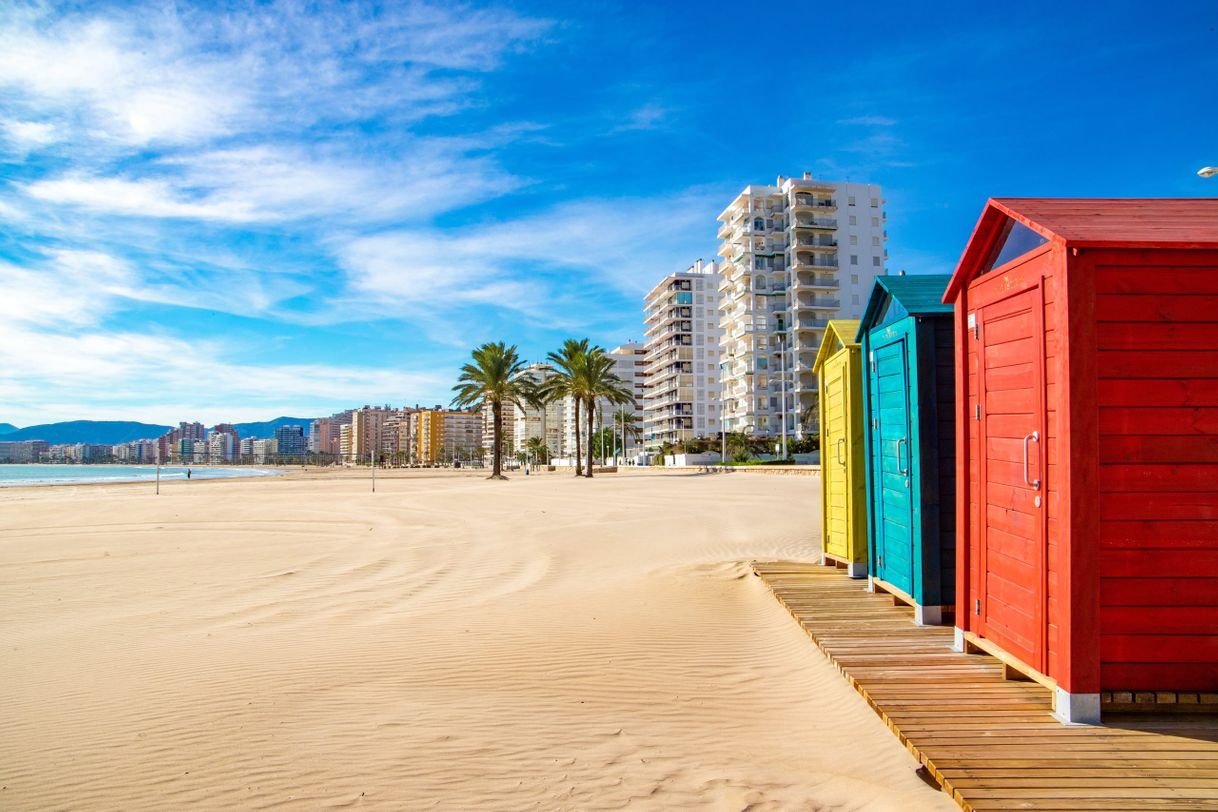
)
(875, 261)
(698, 298)
(701, 408)
(854, 278)
(854, 259)
(875, 202)
(854, 239)
(875, 222)
(850, 200)
(700, 340)
(875, 241)
(854, 221)
(856, 298)
(710, 313)
(710, 367)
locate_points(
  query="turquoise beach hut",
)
(909, 394)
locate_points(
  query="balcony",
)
(817, 303)
(824, 223)
(812, 282)
(813, 245)
(806, 323)
(812, 202)
(814, 261)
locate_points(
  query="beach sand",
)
(445, 642)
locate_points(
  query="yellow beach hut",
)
(839, 372)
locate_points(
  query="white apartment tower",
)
(795, 255)
(629, 364)
(527, 422)
(682, 356)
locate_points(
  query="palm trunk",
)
(591, 417)
(578, 469)
(497, 456)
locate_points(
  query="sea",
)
(14, 475)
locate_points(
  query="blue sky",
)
(229, 212)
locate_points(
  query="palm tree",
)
(631, 430)
(599, 382)
(494, 378)
(537, 450)
(569, 363)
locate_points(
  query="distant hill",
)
(266, 429)
(6, 428)
(88, 431)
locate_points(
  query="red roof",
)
(1091, 222)
(1179, 222)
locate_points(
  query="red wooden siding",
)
(1157, 353)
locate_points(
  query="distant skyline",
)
(235, 211)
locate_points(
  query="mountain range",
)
(111, 432)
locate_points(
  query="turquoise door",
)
(891, 460)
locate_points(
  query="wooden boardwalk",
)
(991, 742)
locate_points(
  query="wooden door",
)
(835, 458)
(890, 450)
(1010, 607)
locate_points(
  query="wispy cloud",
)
(869, 121)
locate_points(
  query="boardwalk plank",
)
(989, 742)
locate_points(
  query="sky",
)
(228, 212)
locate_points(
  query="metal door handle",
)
(1035, 483)
(841, 458)
(901, 457)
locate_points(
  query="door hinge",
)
(977, 411)
(978, 606)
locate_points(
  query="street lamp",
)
(1208, 171)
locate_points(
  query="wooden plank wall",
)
(1157, 342)
(989, 742)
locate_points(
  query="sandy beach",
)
(445, 642)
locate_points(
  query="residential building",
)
(170, 444)
(344, 442)
(795, 255)
(683, 382)
(507, 429)
(524, 422)
(264, 449)
(324, 433)
(220, 446)
(630, 364)
(366, 426)
(247, 448)
(290, 441)
(397, 440)
(23, 450)
(444, 435)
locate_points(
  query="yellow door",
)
(835, 458)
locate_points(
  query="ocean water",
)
(13, 475)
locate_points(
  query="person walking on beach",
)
(188, 473)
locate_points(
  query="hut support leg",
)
(856, 570)
(1076, 709)
(928, 615)
(958, 640)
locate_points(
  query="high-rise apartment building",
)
(325, 433)
(365, 433)
(795, 255)
(443, 436)
(545, 422)
(629, 364)
(682, 399)
(290, 441)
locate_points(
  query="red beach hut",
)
(1087, 431)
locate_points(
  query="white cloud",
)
(68, 287)
(626, 242)
(165, 75)
(27, 135)
(46, 375)
(869, 121)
